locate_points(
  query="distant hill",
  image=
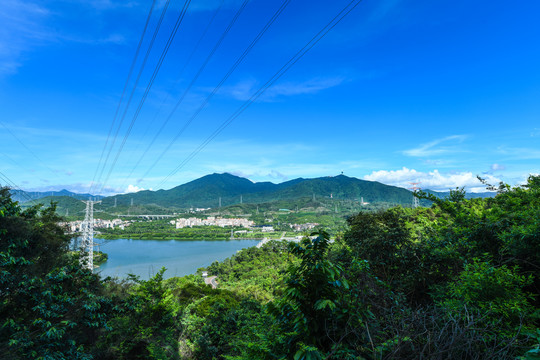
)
(207, 191)
(24, 196)
(469, 195)
(65, 205)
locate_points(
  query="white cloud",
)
(272, 174)
(497, 167)
(433, 180)
(437, 147)
(134, 188)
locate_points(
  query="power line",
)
(148, 87)
(12, 185)
(16, 163)
(222, 81)
(148, 50)
(133, 62)
(186, 91)
(29, 150)
(308, 46)
(203, 35)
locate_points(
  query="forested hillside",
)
(457, 280)
(206, 191)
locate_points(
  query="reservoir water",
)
(145, 257)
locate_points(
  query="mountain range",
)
(210, 190)
(24, 196)
(225, 189)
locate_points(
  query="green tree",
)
(146, 326)
(312, 299)
(50, 307)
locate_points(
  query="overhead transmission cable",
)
(132, 67)
(181, 72)
(12, 185)
(192, 82)
(16, 163)
(203, 35)
(148, 87)
(308, 46)
(28, 149)
(148, 50)
(220, 84)
(134, 88)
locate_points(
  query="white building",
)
(213, 221)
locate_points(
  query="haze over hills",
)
(23, 196)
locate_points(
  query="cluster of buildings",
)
(212, 221)
(76, 226)
(303, 227)
(234, 222)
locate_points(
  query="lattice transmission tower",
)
(87, 246)
(415, 201)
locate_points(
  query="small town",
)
(181, 223)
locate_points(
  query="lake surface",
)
(145, 257)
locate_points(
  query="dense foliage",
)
(49, 306)
(458, 280)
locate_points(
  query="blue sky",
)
(434, 92)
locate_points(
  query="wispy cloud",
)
(22, 28)
(435, 162)
(437, 147)
(205, 5)
(27, 25)
(518, 153)
(34, 132)
(494, 168)
(108, 4)
(383, 9)
(117, 39)
(245, 89)
(497, 167)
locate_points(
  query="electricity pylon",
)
(415, 201)
(87, 246)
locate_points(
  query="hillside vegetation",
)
(206, 191)
(337, 194)
(457, 280)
